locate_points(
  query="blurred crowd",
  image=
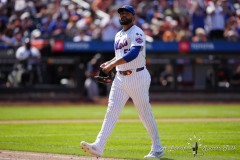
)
(87, 20)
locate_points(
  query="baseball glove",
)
(105, 78)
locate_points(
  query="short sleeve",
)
(138, 38)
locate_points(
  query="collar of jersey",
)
(127, 29)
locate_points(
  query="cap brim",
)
(123, 9)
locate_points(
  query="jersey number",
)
(126, 50)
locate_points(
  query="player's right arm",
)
(129, 56)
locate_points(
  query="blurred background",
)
(51, 49)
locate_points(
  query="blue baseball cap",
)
(126, 8)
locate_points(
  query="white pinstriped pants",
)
(135, 86)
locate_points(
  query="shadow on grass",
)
(166, 159)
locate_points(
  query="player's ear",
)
(133, 19)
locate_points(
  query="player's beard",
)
(125, 22)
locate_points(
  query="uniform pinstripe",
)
(134, 86)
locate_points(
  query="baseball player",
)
(132, 80)
(27, 70)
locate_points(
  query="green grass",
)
(98, 112)
(219, 140)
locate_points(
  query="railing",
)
(194, 67)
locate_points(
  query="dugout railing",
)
(174, 69)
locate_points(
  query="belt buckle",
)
(128, 72)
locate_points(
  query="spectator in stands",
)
(200, 35)
(182, 7)
(112, 26)
(198, 16)
(74, 17)
(183, 35)
(3, 19)
(232, 36)
(82, 34)
(231, 31)
(238, 20)
(168, 36)
(44, 27)
(72, 29)
(4, 38)
(17, 38)
(27, 24)
(231, 24)
(122, 2)
(215, 20)
(12, 34)
(147, 31)
(57, 26)
(228, 9)
(102, 5)
(139, 20)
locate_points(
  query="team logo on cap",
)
(139, 38)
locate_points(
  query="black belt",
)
(128, 72)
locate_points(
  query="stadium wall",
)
(177, 69)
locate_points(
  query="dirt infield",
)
(18, 155)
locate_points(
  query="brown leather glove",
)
(105, 78)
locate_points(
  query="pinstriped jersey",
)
(124, 40)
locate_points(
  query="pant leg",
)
(117, 100)
(140, 96)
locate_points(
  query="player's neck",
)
(126, 27)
